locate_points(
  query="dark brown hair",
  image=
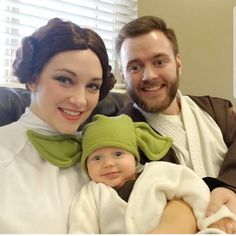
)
(55, 37)
(144, 25)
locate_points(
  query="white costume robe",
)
(199, 144)
(99, 209)
(35, 196)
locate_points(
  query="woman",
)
(66, 69)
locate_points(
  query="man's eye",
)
(134, 68)
(160, 62)
(65, 81)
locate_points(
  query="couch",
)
(13, 102)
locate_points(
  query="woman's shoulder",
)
(13, 138)
(11, 134)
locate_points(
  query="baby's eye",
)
(64, 81)
(118, 154)
(96, 158)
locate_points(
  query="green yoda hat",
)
(122, 132)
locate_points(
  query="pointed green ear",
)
(61, 150)
(153, 145)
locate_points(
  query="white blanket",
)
(99, 209)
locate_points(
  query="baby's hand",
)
(226, 224)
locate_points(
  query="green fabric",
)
(122, 132)
(106, 131)
(60, 150)
(153, 145)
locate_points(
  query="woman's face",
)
(67, 90)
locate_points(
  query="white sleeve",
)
(83, 214)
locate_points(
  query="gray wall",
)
(205, 33)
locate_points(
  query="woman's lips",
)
(71, 114)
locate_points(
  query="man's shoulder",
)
(221, 110)
(128, 108)
(210, 101)
(215, 106)
(132, 112)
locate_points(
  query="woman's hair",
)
(55, 37)
(144, 25)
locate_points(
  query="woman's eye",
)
(65, 81)
(94, 87)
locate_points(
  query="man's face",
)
(150, 71)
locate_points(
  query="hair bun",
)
(24, 61)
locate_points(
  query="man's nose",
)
(149, 73)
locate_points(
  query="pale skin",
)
(66, 91)
(151, 73)
(114, 166)
(111, 166)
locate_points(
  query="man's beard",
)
(171, 93)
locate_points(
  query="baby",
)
(125, 197)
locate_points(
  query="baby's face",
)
(111, 166)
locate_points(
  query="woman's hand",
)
(177, 218)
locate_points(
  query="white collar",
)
(31, 121)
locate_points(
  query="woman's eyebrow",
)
(98, 79)
(66, 70)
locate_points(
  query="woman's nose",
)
(78, 98)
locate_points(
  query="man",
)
(203, 128)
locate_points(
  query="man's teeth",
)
(152, 88)
(69, 112)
